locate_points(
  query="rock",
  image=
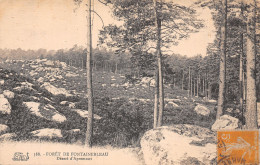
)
(212, 101)
(202, 110)
(71, 75)
(24, 86)
(64, 102)
(175, 144)
(84, 113)
(8, 94)
(72, 105)
(47, 133)
(2, 82)
(3, 129)
(225, 122)
(49, 63)
(7, 136)
(171, 105)
(172, 100)
(55, 91)
(41, 80)
(45, 111)
(63, 64)
(5, 107)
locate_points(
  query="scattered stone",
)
(47, 133)
(55, 91)
(64, 102)
(45, 111)
(5, 107)
(202, 110)
(172, 100)
(72, 105)
(212, 101)
(84, 113)
(225, 122)
(4, 129)
(171, 105)
(174, 144)
(2, 82)
(71, 75)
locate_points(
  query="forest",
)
(226, 79)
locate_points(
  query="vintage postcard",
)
(133, 82)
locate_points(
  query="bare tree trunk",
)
(203, 85)
(89, 133)
(241, 101)
(182, 80)
(159, 54)
(222, 65)
(156, 94)
(116, 68)
(197, 86)
(251, 111)
(189, 84)
(194, 86)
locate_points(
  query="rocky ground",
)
(42, 100)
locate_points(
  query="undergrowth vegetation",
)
(124, 118)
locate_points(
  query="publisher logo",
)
(19, 156)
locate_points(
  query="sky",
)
(55, 24)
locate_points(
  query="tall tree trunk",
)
(116, 68)
(241, 74)
(197, 86)
(189, 84)
(251, 111)
(203, 85)
(222, 64)
(156, 94)
(159, 60)
(89, 133)
(182, 81)
(194, 86)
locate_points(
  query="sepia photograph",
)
(132, 82)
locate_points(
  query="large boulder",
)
(5, 107)
(202, 110)
(225, 122)
(55, 91)
(3, 129)
(178, 144)
(45, 111)
(7, 137)
(47, 133)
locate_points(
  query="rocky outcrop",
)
(7, 136)
(84, 113)
(202, 110)
(47, 133)
(5, 107)
(45, 111)
(225, 122)
(178, 144)
(8, 94)
(55, 91)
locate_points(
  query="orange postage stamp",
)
(238, 147)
